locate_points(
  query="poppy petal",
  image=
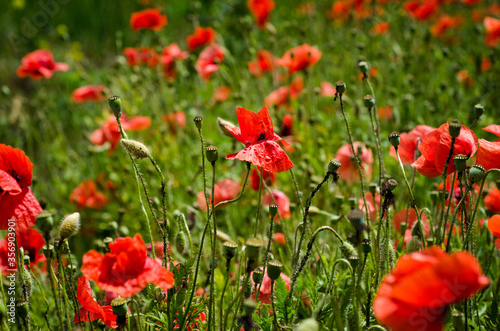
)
(494, 225)
(22, 207)
(86, 299)
(267, 155)
(9, 184)
(14, 160)
(255, 127)
(425, 167)
(493, 128)
(488, 154)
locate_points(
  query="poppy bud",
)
(391, 184)
(308, 324)
(22, 309)
(454, 128)
(119, 306)
(229, 249)
(340, 86)
(347, 250)
(69, 225)
(45, 221)
(212, 154)
(253, 246)
(476, 173)
(478, 110)
(394, 138)
(357, 219)
(366, 246)
(334, 165)
(414, 245)
(369, 101)
(198, 121)
(180, 242)
(115, 103)
(222, 124)
(416, 230)
(137, 149)
(273, 209)
(274, 268)
(460, 162)
(363, 67)
(249, 306)
(257, 275)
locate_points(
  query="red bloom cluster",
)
(110, 132)
(300, 58)
(148, 19)
(445, 23)
(226, 189)
(436, 146)
(349, 169)
(40, 64)
(141, 56)
(416, 293)
(28, 239)
(256, 132)
(168, 57)
(265, 62)
(285, 94)
(208, 61)
(16, 199)
(86, 195)
(126, 269)
(200, 37)
(421, 9)
(261, 9)
(94, 93)
(492, 26)
(91, 309)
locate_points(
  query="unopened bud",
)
(137, 149)
(180, 242)
(115, 103)
(347, 250)
(69, 225)
(222, 124)
(414, 245)
(309, 324)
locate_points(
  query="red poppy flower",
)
(486, 64)
(494, 227)
(492, 26)
(349, 169)
(93, 93)
(16, 199)
(418, 291)
(492, 200)
(265, 63)
(110, 132)
(126, 269)
(221, 94)
(148, 19)
(380, 28)
(300, 58)
(436, 146)
(340, 10)
(281, 200)
(265, 288)
(283, 95)
(86, 195)
(224, 190)
(408, 143)
(28, 239)
(91, 310)
(488, 154)
(256, 132)
(208, 61)
(466, 79)
(493, 128)
(327, 89)
(168, 57)
(261, 9)
(140, 56)
(280, 238)
(421, 10)
(445, 23)
(268, 177)
(39, 64)
(200, 37)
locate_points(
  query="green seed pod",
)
(454, 128)
(180, 242)
(478, 111)
(394, 138)
(69, 225)
(274, 268)
(229, 249)
(391, 184)
(212, 154)
(357, 219)
(340, 86)
(115, 103)
(22, 309)
(45, 221)
(119, 306)
(334, 165)
(273, 210)
(403, 226)
(372, 188)
(460, 162)
(476, 173)
(363, 67)
(137, 149)
(198, 120)
(369, 101)
(414, 245)
(257, 275)
(366, 246)
(249, 306)
(253, 246)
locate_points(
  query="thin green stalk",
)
(45, 315)
(211, 308)
(445, 178)
(378, 146)
(457, 208)
(277, 325)
(240, 292)
(296, 186)
(221, 305)
(450, 197)
(270, 236)
(55, 287)
(259, 202)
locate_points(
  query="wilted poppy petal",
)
(267, 155)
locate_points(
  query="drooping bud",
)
(180, 242)
(212, 154)
(394, 138)
(454, 128)
(222, 124)
(115, 103)
(334, 165)
(229, 249)
(273, 210)
(198, 122)
(476, 173)
(460, 162)
(348, 250)
(137, 149)
(417, 230)
(119, 306)
(69, 225)
(414, 245)
(369, 101)
(340, 86)
(274, 268)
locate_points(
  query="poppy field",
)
(250, 165)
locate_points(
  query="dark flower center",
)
(14, 175)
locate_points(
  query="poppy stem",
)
(53, 283)
(266, 255)
(449, 198)
(297, 193)
(211, 308)
(257, 217)
(276, 324)
(443, 197)
(45, 315)
(457, 209)
(221, 304)
(376, 130)
(236, 298)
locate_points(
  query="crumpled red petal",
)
(22, 207)
(255, 127)
(268, 155)
(86, 298)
